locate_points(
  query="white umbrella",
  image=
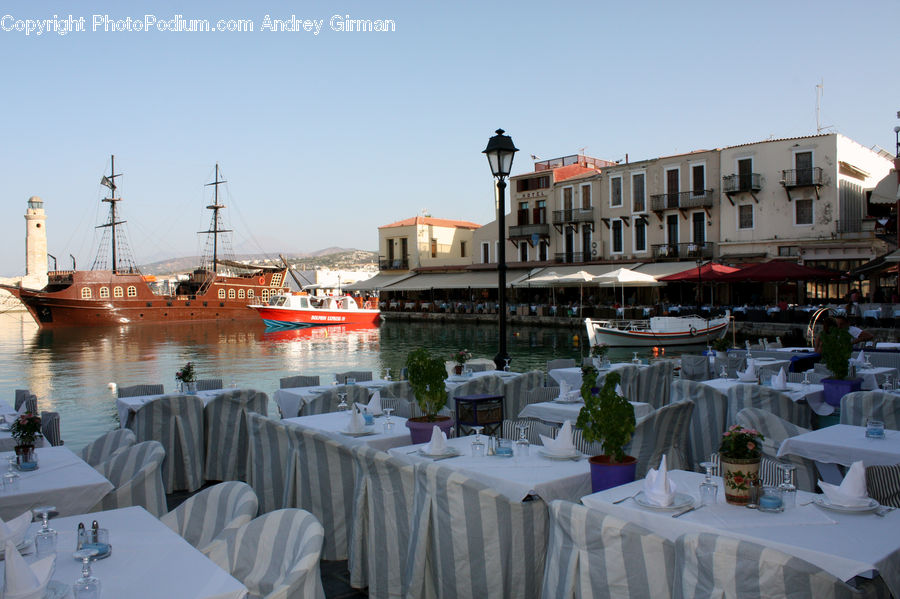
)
(626, 278)
(580, 278)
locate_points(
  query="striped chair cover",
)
(379, 534)
(135, 472)
(886, 359)
(695, 368)
(176, 421)
(628, 382)
(289, 382)
(273, 462)
(209, 384)
(859, 406)
(327, 488)
(593, 554)
(560, 363)
(766, 372)
(401, 407)
(477, 386)
(24, 396)
(227, 434)
(276, 556)
(707, 419)
(536, 428)
(397, 390)
(812, 376)
(329, 400)
(714, 566)
(766, 398)
(50, 428)
(538, 395)
(514, 391)
(468, 541)
(203, 517)
(883, 484)
(101, 449)
(775, 430)
(732, 363)
(359, 375)
(654, 383)
(136, 390)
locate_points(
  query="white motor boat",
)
(657, 331)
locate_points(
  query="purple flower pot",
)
(835, 389)
(605, 475)
(420, 430)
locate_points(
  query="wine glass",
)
(387, 374)
(522, 444)
(342, 405)
(477, 443)
(88, 586)
(388, 424)
(45, 538)
(805, 382)
(787, 488)
(506, 365)
(887, 385)
(635, 359)
(723, 373)
(708, 488)
(11, 478)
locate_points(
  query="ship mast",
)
(215, 228)
(110, 182)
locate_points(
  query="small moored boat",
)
(303, 310)
(657, 331)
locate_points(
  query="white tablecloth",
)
(516, 477)
(813, 394)
(845, 545)
(126, 405)
(572, 376)
(844, 444)
(148, 559)
(290, 400)
(558, 412)
(886, 344)
(454, 381)
(62, 479)
(333, 423)
(874, 377)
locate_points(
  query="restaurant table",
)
(128, 406)
(558, 412)
(514, 477)
(572, 375)
(889, 345)
(148, 560)
(333, 423)
(292, 399)
(843, 544)
(62, 480)
(875, 376)
(455, 380)
(7, 443)
(843, 444)
(813, 394)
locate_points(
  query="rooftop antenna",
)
(820, 91)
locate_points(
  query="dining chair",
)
(654, 383)
(468, 541)
(538, 395)
(628, 381)
(536, 428)
(202, 517)
(276, 556)
(136, 475)
(707, 419)
(329, 400)
(560, 363)
(137, 390)
(756, 396)
(515, 388)
(226, 432)
(397, 390)
(359, 375)
(400, 407)
(775, 430)
(379, 532)
(289, 382)
(50, 428)
(591, 553)
(272, 462)
(176, 421)
(209, 384)
(24, 396)
(488, 384)
(734, 361)
(859, 406)
(695, 368)
(810, 375)
(883, 484)
(104, 447)
(711, 566)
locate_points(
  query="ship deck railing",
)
(624, 325)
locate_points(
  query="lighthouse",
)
(35, 245)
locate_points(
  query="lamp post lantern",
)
(500, 151)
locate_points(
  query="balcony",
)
(569, 257)
(802, 177)
(527, 231)
(683, 251)
(682, 200)
(856, 228)
(751, 182)
(573, 215)
(395, 264)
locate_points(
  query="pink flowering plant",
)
(26, 428)
(462, 356)
(741, 443)
(186, 374)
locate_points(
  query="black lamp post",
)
(500, 151)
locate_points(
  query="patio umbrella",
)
(626, 278)
(777, 271)
(577, 278)
(707, 273)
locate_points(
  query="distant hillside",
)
(333, 258)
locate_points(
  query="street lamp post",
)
(500, 151)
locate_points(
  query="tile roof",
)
(428, 220)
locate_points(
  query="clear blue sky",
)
(323, 138)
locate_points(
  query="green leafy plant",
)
(26, 428)
(186, 374)
(426, 377)
(741, 443)
(607, 417)
(599, 350)
(720, 344)
(837, 345)
(462, 356)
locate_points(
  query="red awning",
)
(778, 270)
(708, 272)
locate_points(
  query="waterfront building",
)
(424, 241)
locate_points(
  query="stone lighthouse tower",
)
(35, 245)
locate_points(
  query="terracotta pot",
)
(420, 427)
(606, 474)
(736, 474)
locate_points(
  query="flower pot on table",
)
(420, 427)
(835, 389)
(606, 474)
(737, 475)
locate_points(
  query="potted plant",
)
(721, 347)
(426, 375)
(739, 455)
(188, 379)
(461, 357)
(607, 418)
(25, 429)
(837, 345)
(598, 353)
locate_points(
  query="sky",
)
(325, 136)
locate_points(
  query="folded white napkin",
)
(658, 489)
(438, 443)
(14, 530)
(374, 405)
(24, 581)
(779, 381)
(23, 408)
(564, 388)
(750, 373)
(852, 490)
(861, 358)
(357, 424)
(562, 445)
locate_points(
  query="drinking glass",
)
(522, 444)
(11, 478)
(342, 405)
(351, 380)
(874, 429)
(787, 488)
(887, 385)
(755, 487)
(45, 538)
(506, 364)
(388, 424)
(635, 359)
(387, 374)
(708, 488)
(723, 373)
(806, 381)
(88, 586)
(477, 443)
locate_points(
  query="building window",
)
(250, 293)
(523, 252)
(221, 294)
(132, 291)
(640, 235)
(104, 292)
(231, 294)
(543, 251)
(698, 228)
(698, 179)
(745, 216)
(241, 294)
(585, 196)
(586, 245)
(567, 198)
(86, 293)
(803, 212)
(616, 237)
(542, 182)
(522, 214)
(276, 279)
(264, 294)
(485, 252)
(615, 191)
(434, 248)
(462, 249)
(788, 250)
(540, 212)
(638, 193)
(117, 292)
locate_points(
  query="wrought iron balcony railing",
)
(569, 257)
(519, 231)
(683, 251)
(799, 177)
(573, 215)
(681, 200)
(736, 183)
(395, 264)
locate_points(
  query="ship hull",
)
(296, 317)
(697, 334)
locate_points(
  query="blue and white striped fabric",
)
(326, 489)
(766, 398)
(732, 363)
(102, 448)
(276, 556)
(775, 430)
(654, 383)
(560, 363)
(209, 384)
(537, 395)
(468, 541)
(136, 390)
(695, 368)
(707, 420)
(135, 472)
(479, 385)
(397, 390)
(859, 406)
(714, 566)
(379, 534)
(227, 435)
(202, 517)
(514, 391)
(50, 428)
(536, 428)
(290, 382)
(21, 395)
(328, 400)
(273, 462)
(593, 555)
(176, 421)
(628, 382)
(28, 399)
(359, 375)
